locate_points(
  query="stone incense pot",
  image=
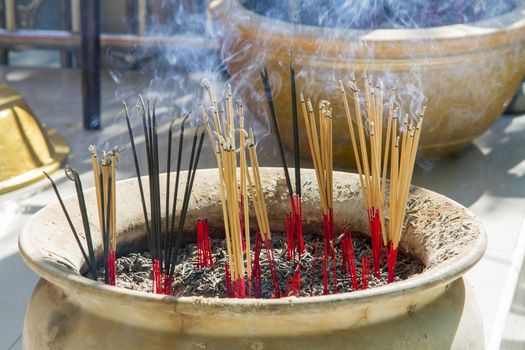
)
(467, 72)
(432, 310)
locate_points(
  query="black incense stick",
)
(194, 160)
(137, 168)
(178, 238)
(297, 153)
(73, 176)
(164, 245)
(175, 195)
(68, 218)
(106, 230)
(168, 175)
(156, 180)
(271, 106)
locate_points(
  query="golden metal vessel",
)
(27, 148)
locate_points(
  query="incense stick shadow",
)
(458, 176)
(473, 172)
(30, 209)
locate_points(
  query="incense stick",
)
(163, 245)
(90, 263)
(269, 98)
(399, 150)
(96, 173)
(369, 167)
(72, 175)
(244, 194)
(137, 170)
(171, 230)
(295, 118)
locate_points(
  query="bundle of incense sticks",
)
(224, 139)
(204, 253)
(402, 165)
(261, 213)
(373, 168)
(294, 232)
(321, 150)
(104, 176)
(163, 244)
(105, 185)
(234, 191)
(348, 263)
(90, 256)
(371, 176)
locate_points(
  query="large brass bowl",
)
(467, 72)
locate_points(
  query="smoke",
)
(341, 31)
(381, 14)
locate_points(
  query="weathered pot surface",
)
(432, 310)
(468, 73)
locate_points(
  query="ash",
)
(134, 270)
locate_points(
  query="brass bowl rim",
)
(55, 272)
(384, 43)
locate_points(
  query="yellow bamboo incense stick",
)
(243, 184)
(96, 180)
(402, 166)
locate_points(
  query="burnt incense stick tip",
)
(71, 173)
(260, 65)
(252, 137)
(141, 110)
(47, 175)
(394, 86)
(341, 87)
(186, 117)
(205, 83)
(115, 152)
(309, 106)
(93, 150)
(353, 86)
(126, 110)
(423, 110)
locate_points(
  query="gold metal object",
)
(27, 148)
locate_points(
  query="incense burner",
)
(434, 309)
(467, 72)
